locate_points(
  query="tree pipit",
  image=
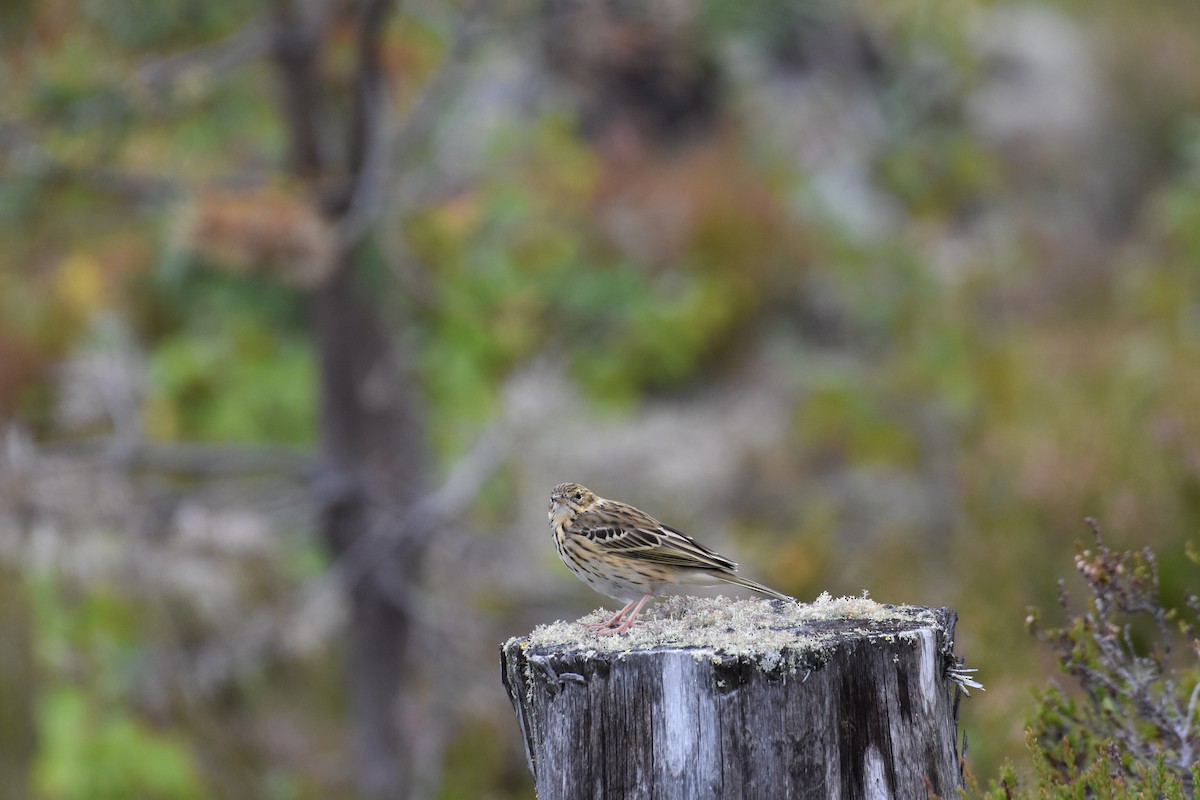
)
(630, 556)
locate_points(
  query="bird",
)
(630, 556)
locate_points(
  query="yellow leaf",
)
(79, 284)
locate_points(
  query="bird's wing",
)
(626, 531)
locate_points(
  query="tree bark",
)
(372, 448)
(854, 709)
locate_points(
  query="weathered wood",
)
(742, 699)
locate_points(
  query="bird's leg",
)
(624, 626)
(612, 623)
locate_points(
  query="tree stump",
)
(716, 698)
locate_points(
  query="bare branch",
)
(34, 162)
(411, 530)
(1129, 698)
(1185, 733)
(266, 632)
(296, 36)
(369, 140)
(390, 146)
(248, 43)
(185, 458)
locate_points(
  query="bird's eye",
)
(579, 495)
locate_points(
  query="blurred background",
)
(305, 305)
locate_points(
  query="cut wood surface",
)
(720, 698)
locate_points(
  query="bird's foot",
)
(612, 621)
(616, 625)
(609, 630)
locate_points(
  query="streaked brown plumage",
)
(630, 556)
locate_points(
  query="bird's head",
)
(569, 499)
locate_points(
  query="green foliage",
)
(839, 418)
(1108, 774)
(660, 337)
(91, 753)
(497, 255)
(1120, 650)
(243, 385)
(1131, 731)
(233, 363)
(515, 277)
(92, 745)
(938, 173)
(1160, 291)
(139, 24)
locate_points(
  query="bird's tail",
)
(738, 580)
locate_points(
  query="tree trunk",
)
(373, 454)
(844, 707)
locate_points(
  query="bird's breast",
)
(559, 516)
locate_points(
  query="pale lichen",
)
(773, 633)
